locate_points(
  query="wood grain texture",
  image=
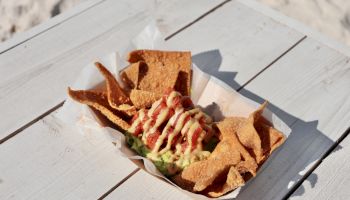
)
(307, 88)
(52, 160)
(34, 75)
(236, 39)
(21, 37)
(331, 180)
(145, 186)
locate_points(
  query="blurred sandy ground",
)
(331, 17)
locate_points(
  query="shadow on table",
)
(285, 168)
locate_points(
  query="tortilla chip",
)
(132, 73)
(98, 100)
(163, 70)
(203, 173)
(228, 153)
(116, 95)
(228, 128)
(232, 123)
(127, 109)
(184, 184)
(257, 135)
(270, 138)
(143, 99)
(233, 181)
(249, 136)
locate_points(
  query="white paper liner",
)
(214, 96)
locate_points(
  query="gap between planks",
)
(51, 27)
(196, 20)
(31, 122)
(329, 151)
(273, 62)
(118, 184)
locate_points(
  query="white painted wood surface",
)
(265, 26)
(309, 83)
(309, 89)
(238, 39)
(34, 76)
(52, 161)
(331, 180)
(145, 186)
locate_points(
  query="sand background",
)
(331, 17)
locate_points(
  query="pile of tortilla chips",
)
(245, 143)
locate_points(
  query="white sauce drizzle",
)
(186, 129)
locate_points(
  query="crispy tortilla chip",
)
(163, 70)
(226, 154)
(249, 136)
(127, 109)
(116, 95)
(232, 123)
(203, 173)
(270, 138)
(143, 99)
(184, 184)
(228, 128)
(257, 135)
(233, 181)
(99, 101)
(132, 73)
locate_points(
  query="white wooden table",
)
(257, 51)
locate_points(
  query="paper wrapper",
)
(214, 96)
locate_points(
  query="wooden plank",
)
(331, 180)
(39, 70)
(52, 160)
(308, 88)
(21, 37)
(237, 39)
(145, 186)
(297, 25)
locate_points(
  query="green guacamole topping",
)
(164, 162)
(136, 144)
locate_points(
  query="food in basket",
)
(160, 122)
